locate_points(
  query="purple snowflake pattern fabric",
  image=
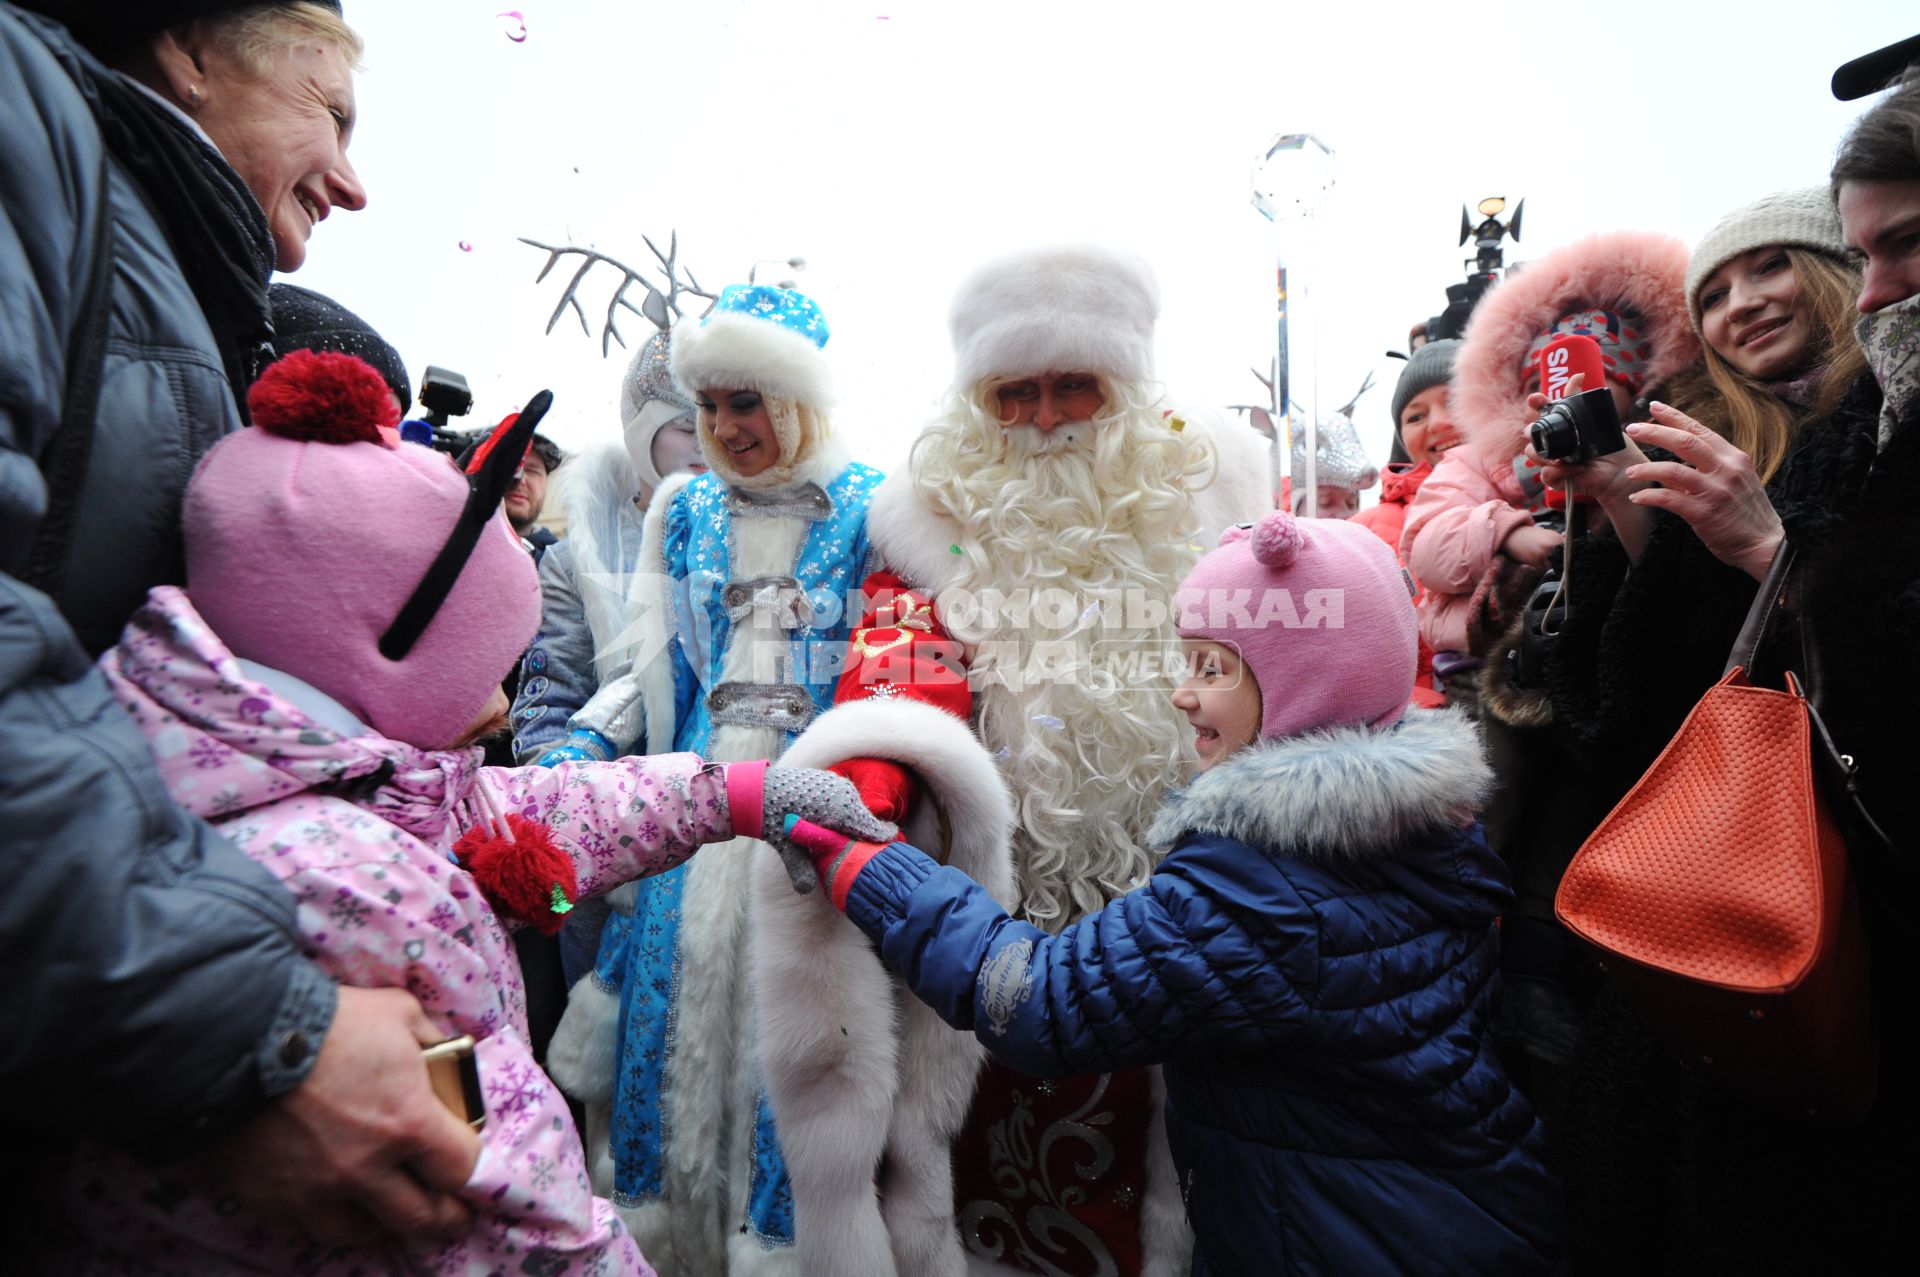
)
(381, 903)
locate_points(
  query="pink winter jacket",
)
(381, 904)
(1466, 508)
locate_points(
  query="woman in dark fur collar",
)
(1313, 961)
(1667, 1172)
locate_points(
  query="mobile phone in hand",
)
(455, 1076)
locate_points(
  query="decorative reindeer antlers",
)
(658, 308)
(1261, 415)
(1347, 409)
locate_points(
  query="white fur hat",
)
(757, 338)
(1063, 308)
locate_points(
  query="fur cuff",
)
(961, 777)
(1499, 698)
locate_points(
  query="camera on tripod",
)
(1482, 269)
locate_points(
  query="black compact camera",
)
(1578, 428)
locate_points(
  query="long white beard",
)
(1076, 541)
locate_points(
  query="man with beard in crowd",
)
(1029, 556)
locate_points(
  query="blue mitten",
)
(583, 745)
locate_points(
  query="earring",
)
(193, 94)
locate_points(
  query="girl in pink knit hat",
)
(314, 692)
(1314, 960)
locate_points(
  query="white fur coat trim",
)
(910, 536)
(733, 352)
(584, 1051)
(1350, 791)
(596, 488)
(653, 620)
(1166, 1239)
(823, 464)
(857, 1069)
(1242, 488)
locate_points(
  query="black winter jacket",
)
(154, 995)
(1667, 1173)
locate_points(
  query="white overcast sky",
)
(895, 143)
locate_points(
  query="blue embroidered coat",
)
(754, 654)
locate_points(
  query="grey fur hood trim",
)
(1350, 791)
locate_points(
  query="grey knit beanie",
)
(1431, 365)
(1803, 218)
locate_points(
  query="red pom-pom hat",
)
(324, 398)
(307, 534)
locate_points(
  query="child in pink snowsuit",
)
(309, 695)
(1626, 290)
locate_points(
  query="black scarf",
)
(215, 226)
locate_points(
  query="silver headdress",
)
(1339, 459)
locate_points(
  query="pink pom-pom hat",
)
(307, 534)
(1321, 615)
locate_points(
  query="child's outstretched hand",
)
(836, 858)
(761, 797)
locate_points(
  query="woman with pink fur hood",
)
(1626, 289)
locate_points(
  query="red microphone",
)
(1576, 426)
(1565, 357)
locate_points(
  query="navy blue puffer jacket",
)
(1314, 962)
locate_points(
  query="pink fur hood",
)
(1636, 271)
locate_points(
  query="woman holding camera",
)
(1771, 293)
(1667, 1171)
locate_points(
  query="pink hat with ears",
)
(1321, 615)
(321, 546)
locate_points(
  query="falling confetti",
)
(1050, 722)
(953, 549)
(1177, 424)
(1002, 754)
(518, 31)
(466, 246)
(1087, 618)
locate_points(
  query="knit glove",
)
(760, 797)
(836, 858)
(885, 786)
(583, 745)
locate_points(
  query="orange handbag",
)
(1719, 894)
